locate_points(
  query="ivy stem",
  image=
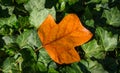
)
(38, 48)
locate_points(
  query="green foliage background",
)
(19, 20)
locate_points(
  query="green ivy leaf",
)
(34, 39)
(38, 12)
(76, 67)
(105, 1)
(41, 67)
(21, 1)
(93, 66)
(34, 5)
(94, 1)
(10, 66)
(8, 39)
(67, 69)
(22, 39)
(10, 46)
(30, 38)
(11, 21)
(5, 30)
(37, 17)
(92, 49)
(45, 63)
(90, 23)
(44, 57)
(9, 8)
(113, 16)
(23, 22)
(107, 40)
(52, 70)
(62, 6)
(71, 68)
(72, 1)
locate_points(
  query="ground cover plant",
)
(20, 45)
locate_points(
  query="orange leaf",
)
(60, 40)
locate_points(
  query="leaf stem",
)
(38, 48)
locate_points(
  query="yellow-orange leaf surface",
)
(60, 39)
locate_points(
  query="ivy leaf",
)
(72, 1)
(38, 12)
(37, 17)
(23, 23)
(113, 16)
(21, 1)
(22, 39)
(52, 70)
(107, 40)
(90, 23)
(30, 38)
(9, 8)
(33, 39)
(44, 57)
(94, 1)
(34, 5)
(11, 47)
(8, 39)
(92, 49)
(105, 1)
(11, 21)
(93, 66)
(45, 62)
(10, 66)
(60, 40)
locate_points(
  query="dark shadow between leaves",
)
(4, 13)
(109, 64)
(83, 68)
